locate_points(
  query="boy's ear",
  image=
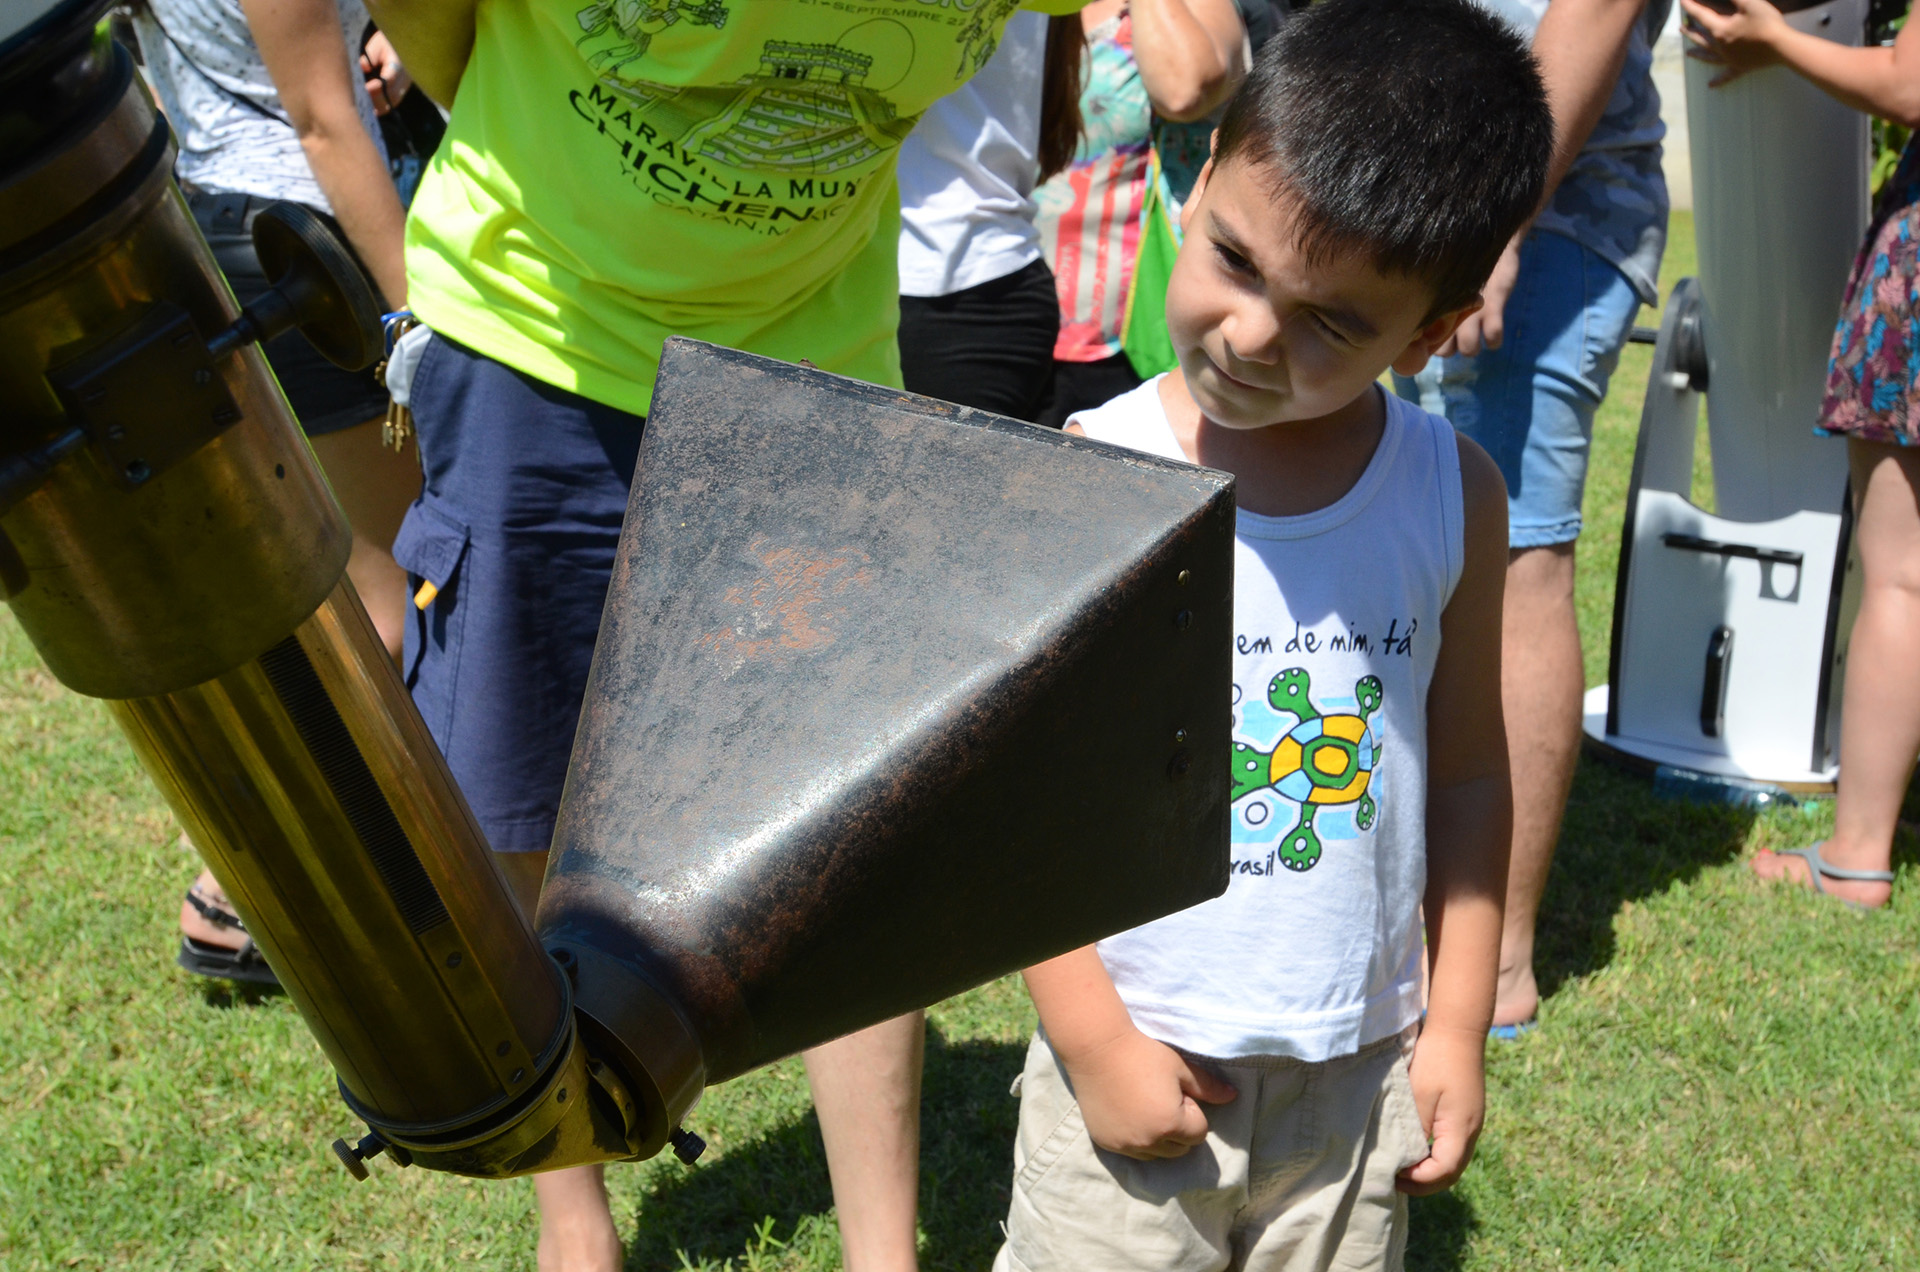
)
(1427, 341)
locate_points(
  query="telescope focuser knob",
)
(686, 1145)
(22, 474)
(317, 287)
(355, 1156)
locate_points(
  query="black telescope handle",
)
(317, 286)
(22, 474)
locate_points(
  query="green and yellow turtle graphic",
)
(1324, 759)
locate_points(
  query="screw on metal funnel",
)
(891, 697)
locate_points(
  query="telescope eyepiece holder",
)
(152, 395)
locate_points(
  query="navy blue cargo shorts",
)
(516, 526)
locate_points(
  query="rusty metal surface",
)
(891, 697)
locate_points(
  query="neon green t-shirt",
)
(619, 171)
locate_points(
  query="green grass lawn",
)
(1725, 1076)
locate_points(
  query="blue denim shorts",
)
(1530, 402)
(516, 526)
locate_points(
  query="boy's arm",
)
(1138, 1097)
(1469, 831)
(434, 38)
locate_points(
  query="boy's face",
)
(1263, 335)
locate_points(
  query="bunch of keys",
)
(398, 429)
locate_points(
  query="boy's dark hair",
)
(1416, 131)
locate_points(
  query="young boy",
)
(1251, 1083)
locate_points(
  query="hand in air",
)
(1737, 42)
(387, 79)
(1142, 1099)
(1448, 1076)
(1486, 327)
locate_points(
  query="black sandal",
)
(217, 961)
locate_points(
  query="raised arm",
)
(1469, 833)
(1878, 80)
(433, 37)
(1192, 54)
(301, 44)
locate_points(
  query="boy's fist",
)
(1448, 1077)
(1141, 1098)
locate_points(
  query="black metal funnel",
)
(891, 697)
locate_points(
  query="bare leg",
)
(577, 1232)
(374, 486)
(196, 925)
(1880, 717)
(1540, 686)
(866, 1088)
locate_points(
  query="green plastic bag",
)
(1143, 331)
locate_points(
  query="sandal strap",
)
(214, 914)
(1811, 855)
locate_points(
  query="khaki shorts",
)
(1295, 1174)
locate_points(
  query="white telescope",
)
(1729, 626)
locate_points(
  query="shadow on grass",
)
(227, 995)
(716, 1212)
(1442, 1225)
(1620, 842)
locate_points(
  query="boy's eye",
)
(1232, 259)
(1328, 328)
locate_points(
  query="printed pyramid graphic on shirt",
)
(808, 108)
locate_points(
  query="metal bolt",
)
(1179, 765)
(202, 376)
(115, 433)
(1186, 577)
(517, 1075)
(562, 1097)
(280, 471)
(1179, 735)
(1183, 619)
(138, 471)
(454, 959)
(686, 1145)
(503, 1049)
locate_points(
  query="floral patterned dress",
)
(1873, 378)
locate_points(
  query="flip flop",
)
(1514, 1032)
(218, 961)
(1817, 866)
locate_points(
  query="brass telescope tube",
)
(168, 543)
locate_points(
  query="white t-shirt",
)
(227, 117)
(967, 172)
(1314, 950)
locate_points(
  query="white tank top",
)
(232, 129)
(1314, 950)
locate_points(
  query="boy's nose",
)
(1254, 336)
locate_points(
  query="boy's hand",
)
(1141, 1099)
(1448, 1076)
